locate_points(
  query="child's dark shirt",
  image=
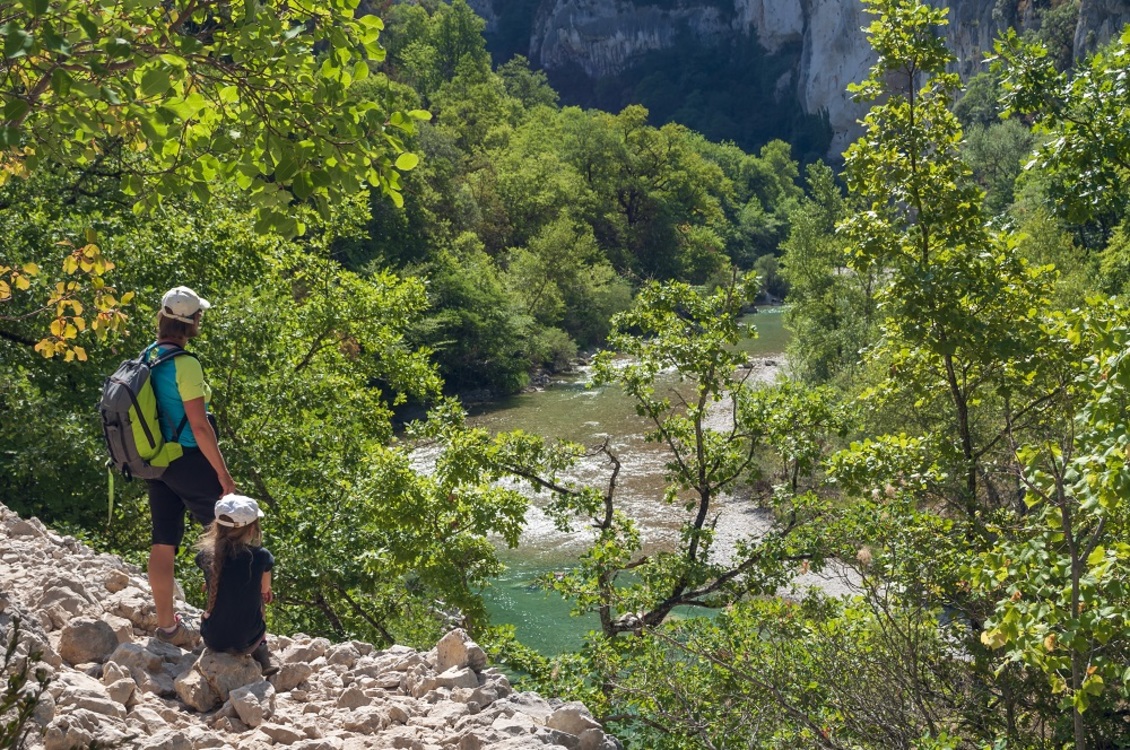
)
(236, 622)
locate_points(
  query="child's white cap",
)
(236, 511)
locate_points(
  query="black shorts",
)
(190, 483)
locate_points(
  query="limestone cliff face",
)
(1099, 21)
(603, 37)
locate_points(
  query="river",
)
(569, 409)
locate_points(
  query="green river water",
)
(568, 409)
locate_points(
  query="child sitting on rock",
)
(237, 574)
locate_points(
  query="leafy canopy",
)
(171, 98)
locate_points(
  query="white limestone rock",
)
(85, 639)
(254, 703)
(573, 718)
(457, 649)
(281, 734)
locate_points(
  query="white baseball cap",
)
(236, 511)
(181, 303)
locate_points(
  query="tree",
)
(158, 100)
(1085, 115)
(203, 94)
(721, 433)
(530, 87)
(434, 44)
(1060, 576)
(973, 356)
(830, 310)
(996, 153)
(956, 297)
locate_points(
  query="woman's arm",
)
(206, 439)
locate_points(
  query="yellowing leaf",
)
(31, 269)
(5, 290)
(70, 265)
(80, 353)
(22, 283)
(1094, 685)
(993, 638)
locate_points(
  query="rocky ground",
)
(112, 684)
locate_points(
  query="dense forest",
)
(386, 221)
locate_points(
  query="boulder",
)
(169, 739)
(290, 676)
(145, 667)
(254, 703)
(282, 735)
(573, 718)
(86, 639)
(456, 649)
(213, 677)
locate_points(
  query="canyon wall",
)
(605, 37)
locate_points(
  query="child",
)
(237, 574)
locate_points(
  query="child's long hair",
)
(219, 543)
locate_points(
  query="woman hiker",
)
(199, 478)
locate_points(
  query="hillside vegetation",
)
(383, 221)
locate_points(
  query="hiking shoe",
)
(182, 636)
(266, 662)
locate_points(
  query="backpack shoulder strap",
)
(163, 357)
(172, 353)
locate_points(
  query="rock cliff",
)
(112, 685)
(603, 37)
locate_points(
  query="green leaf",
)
(15, 109)
(17, 43)
(61, 82)
(407, 161)
(9, 137)
(35, 7)
(286, 167)
(1094, 685)
(154, 82)
(88, 25)
(55, 42)
(119, 47)
(302, 186)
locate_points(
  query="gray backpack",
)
(130, 422)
